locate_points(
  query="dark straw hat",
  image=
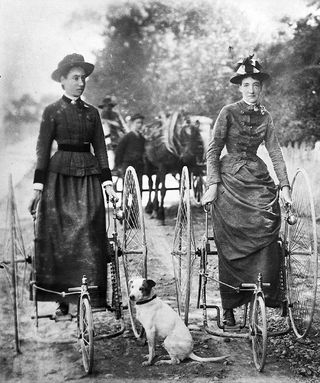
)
(108, 100)
(137, 116)
(248, 67)
(71, 61)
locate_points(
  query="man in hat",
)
(112, 120)
(130, 151)
(68, 201)
(246, 212)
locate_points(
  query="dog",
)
(161, 321)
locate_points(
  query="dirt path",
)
(51, 354)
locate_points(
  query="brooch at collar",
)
(257, 108)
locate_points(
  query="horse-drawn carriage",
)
(171, 142)
(130, 247)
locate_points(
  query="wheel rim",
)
(183, 252)
(259, 332)
(134, 240)
(302, 256)
(86, 334)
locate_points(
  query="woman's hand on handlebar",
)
(111, 193)
(286, 195)
(34, 202)
(210, 195)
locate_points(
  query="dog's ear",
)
(151, 283)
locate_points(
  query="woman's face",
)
(137, 124)
(74, 82)
(250, 89)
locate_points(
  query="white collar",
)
(72, 98)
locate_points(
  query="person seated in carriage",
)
(70, 227)
(245, 210)
(130, 150)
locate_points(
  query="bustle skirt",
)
(246, 222)
(71, 237)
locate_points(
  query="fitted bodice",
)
(242, 129)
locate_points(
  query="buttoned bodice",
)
(241, 129)
(73, 124)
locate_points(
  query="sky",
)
(37, 34)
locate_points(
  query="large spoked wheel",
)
(183, 252)
(302, 255)
(85, 323)
(134, 244)
(258, 331)
(13, 261)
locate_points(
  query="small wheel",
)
(258, 329)
(183, 252)
(302, 255)
(134, 246)
(85, 326)
(198, 187)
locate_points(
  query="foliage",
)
(162, 56)
(19, 114)
(294, 94)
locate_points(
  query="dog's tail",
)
(204, 360)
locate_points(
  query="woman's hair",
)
(255, 76)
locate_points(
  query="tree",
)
(161, 56)
(295, 91)
(19, 113)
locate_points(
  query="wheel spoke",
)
(134, 245)
(302, 262)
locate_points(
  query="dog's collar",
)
(147, 300)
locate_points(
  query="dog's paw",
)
(146, 363)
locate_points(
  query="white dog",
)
(160, 320)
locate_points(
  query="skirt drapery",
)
(71, 237)
(246, 222)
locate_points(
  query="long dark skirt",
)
(71, 237)
(246, 221)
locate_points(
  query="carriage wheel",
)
(198, 187)
(14, 261)
(85, 323)
(302, 255)
(183, 252)
(258, 331)
(134, 245)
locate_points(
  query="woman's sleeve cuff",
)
(38, 186)
(105, 175)
(39, 176)
(107, 183)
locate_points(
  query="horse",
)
(171, 143)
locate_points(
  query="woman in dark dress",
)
(245, 211)
(68, 198)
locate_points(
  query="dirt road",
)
(51, 354)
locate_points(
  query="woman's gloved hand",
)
(210, 195)
(111, 193)
(286, 195)
(34, 202)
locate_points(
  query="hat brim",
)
(137, 117)
(237, 79)
(87, 67)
